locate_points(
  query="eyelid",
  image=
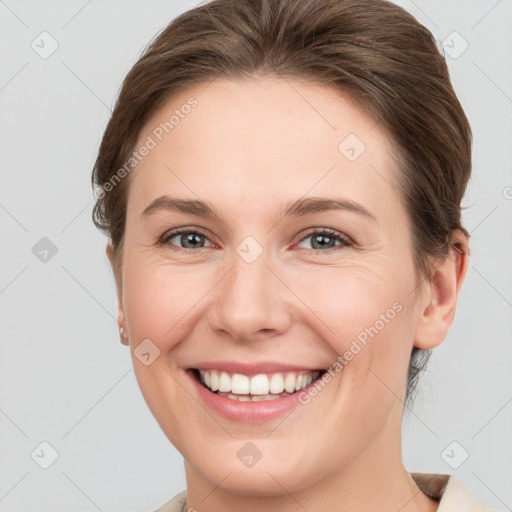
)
(345, 240)
(171, 233)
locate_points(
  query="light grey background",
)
(64, 377)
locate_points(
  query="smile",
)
(255, 388)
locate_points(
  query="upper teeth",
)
(260, 384)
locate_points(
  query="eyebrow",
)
(309, 205)
(191, 206)
(297, 208)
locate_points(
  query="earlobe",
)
(438, 310)
(110, 252)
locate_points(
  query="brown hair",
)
(371, 50)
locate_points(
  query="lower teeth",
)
(253, 398)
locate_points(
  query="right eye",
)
(186, 239)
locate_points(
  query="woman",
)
(281, 184)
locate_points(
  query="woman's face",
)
(295, 258)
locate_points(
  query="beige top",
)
(451, 493)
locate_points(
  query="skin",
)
(250, 147)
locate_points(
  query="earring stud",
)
(123, 335)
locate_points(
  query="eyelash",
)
(345, 241)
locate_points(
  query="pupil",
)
(191, 238)
(321, 244)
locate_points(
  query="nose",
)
(251, 303)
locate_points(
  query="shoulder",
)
(450, 491)
(177, 504)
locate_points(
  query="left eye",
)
(324, 240)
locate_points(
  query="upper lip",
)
(252, 368)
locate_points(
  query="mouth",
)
(255, 388)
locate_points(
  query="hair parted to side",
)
(373, 51)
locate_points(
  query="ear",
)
(119, 286)
(441, 291)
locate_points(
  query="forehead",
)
(263, 139)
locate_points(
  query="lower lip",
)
(246, 412)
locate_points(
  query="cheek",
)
(356, 308)
(365, 315)
(159, 300)
(349, 303)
